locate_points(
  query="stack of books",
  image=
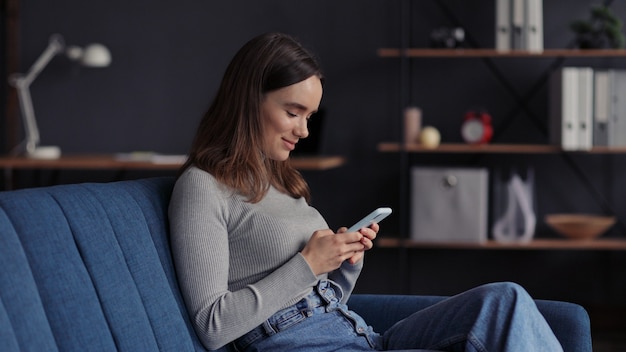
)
(587, 108)
(519, 25)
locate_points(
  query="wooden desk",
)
(126, 162)
(83, 162)
(111, 162)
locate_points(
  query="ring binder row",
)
(587, 108)
(519, 25)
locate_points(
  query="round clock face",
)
(473, 131)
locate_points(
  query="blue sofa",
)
(87, 267)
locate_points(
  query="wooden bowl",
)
(580, 226)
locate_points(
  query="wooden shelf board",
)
(317, 162)
(109, 161)
(491, 148)
(465, 53)
(537, 244)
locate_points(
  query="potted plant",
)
(602, 30)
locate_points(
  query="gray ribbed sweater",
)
(238, 263)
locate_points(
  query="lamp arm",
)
(55, 46)
(30, 124)
(22, 84)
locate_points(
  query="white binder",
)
(534, 25)
(519, 25)
(601, 108)
(503, 25)
(585, 108)
(564, 108)
(617, 109)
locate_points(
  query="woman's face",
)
(285, 113)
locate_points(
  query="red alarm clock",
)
(476, 127)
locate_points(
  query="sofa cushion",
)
(92, 269)
(23, 321)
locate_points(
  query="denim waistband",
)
(324, 297)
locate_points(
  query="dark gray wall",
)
(168, 58)
(167, 62)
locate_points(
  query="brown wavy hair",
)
(229, 139)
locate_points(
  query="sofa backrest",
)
(87, 267)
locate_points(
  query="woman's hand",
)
(326, 250)
(369, 234)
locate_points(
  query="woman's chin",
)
(281, 157)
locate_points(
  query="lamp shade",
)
(93, 55)
(96, 55)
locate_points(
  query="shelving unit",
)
(416, 261)
(407, 54)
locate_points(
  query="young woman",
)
(258, 267)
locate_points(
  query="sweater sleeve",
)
(346, 276)
(200, 245)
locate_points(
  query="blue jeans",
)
(493, 317)
(319, 322)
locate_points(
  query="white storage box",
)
(449, 204)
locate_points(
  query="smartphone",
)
(374, 217)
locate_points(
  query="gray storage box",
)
(449, 204)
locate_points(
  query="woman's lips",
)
(289, 144)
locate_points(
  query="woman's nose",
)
(301, 130)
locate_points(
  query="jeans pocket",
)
(287, 321)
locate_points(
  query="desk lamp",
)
(93, 55)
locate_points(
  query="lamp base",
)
(45, 152)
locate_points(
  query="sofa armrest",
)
(569, 321)
(382, 311)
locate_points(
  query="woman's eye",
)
(291, 114)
